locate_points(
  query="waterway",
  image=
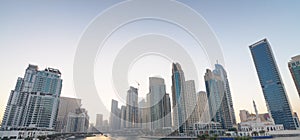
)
(138, 138)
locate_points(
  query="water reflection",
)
(101, 137)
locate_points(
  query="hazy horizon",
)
(47, 34)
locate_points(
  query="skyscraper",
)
(66, 105)
(270, 80)
(34, 101)
(219, 69)
(167, 111)
(105, 126)
(143, 114)
(78, 121)
(99, 121)
(159, 103)
(190, 104)
(114, 119)
(202, 107)
(178, 81)
(217, 101)
(294, 66)
(157, 91)
(132, 108)
(123, 117)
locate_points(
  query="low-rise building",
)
(252, 126)
(256, 124)
(23, 134)
(208, 128)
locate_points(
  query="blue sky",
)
(46, 33)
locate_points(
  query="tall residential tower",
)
(114, 119)
(34, 101)
(159, 104)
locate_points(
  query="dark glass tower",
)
(178, 81)
(294, 66)
(273, 89)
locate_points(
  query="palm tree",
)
(228, 134)
(262, 132)
(254, 133)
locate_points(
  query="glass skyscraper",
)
(132, 108)
(270, 80)
(217, 100)
(219, 70)
(178, 82)
(114, 119)
(294, 66)
(159, 102)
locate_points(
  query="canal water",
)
(113, 138)
(138, 138)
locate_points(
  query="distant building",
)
(34, 102)
(105, 126)
(143, 114)
(114, 119)
(294, 66)
(270, 80)
(147, 111)
(178, 82)
(217, 101)
(190, 102)
(123, 117)
(219, 69)
(257, 122)
(78, 121)
(202, 107)
(66, 105)
(208, 128)
(159, 104)
(167, 111)
(132, 108)
(244, 115)
(99, 121)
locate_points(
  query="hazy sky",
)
(46, 33)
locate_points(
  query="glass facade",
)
(294, 66)
(271, 83)
(229, 110)
(159, 104)
(217, 101)
(177, 93)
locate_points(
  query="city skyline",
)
(241, 73)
